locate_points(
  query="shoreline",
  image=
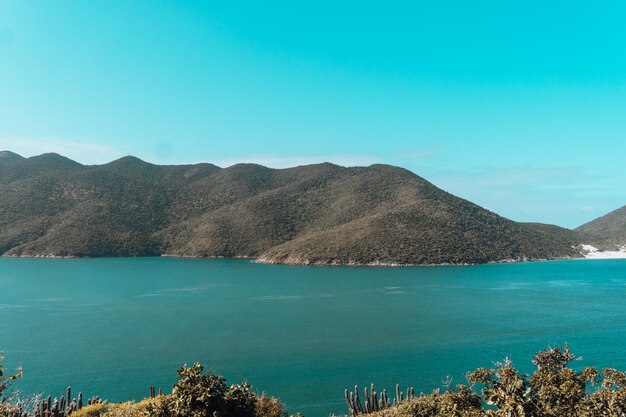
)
(587, 252)
(594, 253)
(374, 264)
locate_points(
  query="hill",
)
(608, 231)
(321, 214)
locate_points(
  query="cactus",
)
(57, 407)
(385, 399)
(349, 402)
(354, 402)
(375, 401)
(357, 400)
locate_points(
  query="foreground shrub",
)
(207, 395)
(6, 380)
(93, 410)
(458, 402)
(8, 409)
(609, 400)
(269, 407)
(505, 389)
(196, 394)
(553, 390)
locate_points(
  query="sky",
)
(518, 106)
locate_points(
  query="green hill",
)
(323, 214)
(608, 231)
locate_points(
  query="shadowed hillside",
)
(608, 231)
(323, 214)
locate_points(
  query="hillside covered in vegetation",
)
(608, 231)
(553, 390)
(320, 214)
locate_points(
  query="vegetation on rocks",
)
(314, 214)
(196, 394)
(553, 390)
(607, 232)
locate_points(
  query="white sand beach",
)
(594, 253)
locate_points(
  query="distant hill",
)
(322, 214)
(608, 231)
(9, 156)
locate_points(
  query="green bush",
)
(94, 410)
(553, 390)
(6, 381)
(269, 407)
(240, 401)
(198, 394)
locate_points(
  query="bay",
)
(114, 327)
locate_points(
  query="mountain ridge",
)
(608, 231)
(313, 214)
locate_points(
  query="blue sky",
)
(517, 106)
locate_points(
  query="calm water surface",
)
(116, 326)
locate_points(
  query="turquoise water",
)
(114, 327)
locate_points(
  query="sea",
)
(115, 327)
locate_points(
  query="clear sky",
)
(519, 106)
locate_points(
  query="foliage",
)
(240, 401)
(158, 407)
(93, 410)
(6, 381)
(270, 407)
(319, 213)
(458, 402)
(8, 409)
(609, 400)
(126, 409)
(505, 389)
(557, 388)
(553, 390)
(196, 394)
(207, 395)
